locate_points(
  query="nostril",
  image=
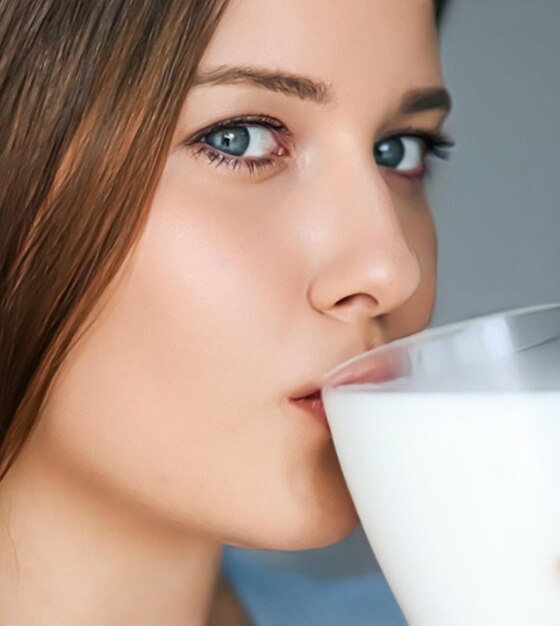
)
(358, 300)
(343, 301)
(356, 306)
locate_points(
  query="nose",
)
(365, 265)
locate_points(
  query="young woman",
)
(206, 205)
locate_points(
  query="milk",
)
(459, 495)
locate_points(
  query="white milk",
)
(459, 495)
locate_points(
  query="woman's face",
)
(276, 247)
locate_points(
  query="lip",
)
(313, 404)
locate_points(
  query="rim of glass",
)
(424, 336)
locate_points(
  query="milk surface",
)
(459, 495)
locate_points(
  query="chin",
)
(328, 535)
(314, 518)
(295, 536)
(322, 529)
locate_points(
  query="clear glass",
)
(449, 441)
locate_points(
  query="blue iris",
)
(234, 141)
(389, 153)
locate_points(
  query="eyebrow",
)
(421, 100)
(314, 90)
(289, 84)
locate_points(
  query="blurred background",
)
(496, 205)
(496, 202)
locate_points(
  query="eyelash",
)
(435, 144)
(217, 158)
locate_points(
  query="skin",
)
(170, 430)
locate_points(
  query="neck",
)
(71, 557)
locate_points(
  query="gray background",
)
(496, 202)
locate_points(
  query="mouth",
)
(313, 404)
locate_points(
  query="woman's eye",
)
(401, 153)
(254, 144)
(242, 141)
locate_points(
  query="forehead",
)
(357, 45)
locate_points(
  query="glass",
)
(449, 441)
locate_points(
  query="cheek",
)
(178, 388)
(205, 286)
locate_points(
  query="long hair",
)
(90, 91)
(440, 6)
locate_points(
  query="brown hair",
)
(90, 92)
